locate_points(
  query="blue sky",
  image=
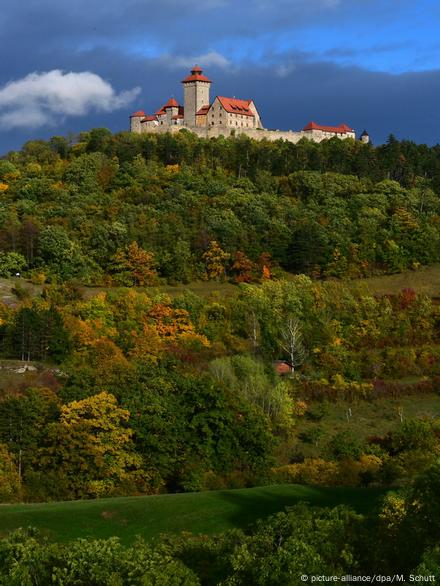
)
(71, 65)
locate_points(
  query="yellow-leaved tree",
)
(90, 451)
(215, 260)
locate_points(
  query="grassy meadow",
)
(368, 418)
(149, 516)
(424, 280)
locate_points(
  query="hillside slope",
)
(205, 512)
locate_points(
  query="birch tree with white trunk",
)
(292, 342)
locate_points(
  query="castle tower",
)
(196, 94)
(365, 137)
(172, 109)
(135, 121)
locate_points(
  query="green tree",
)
(23, 422)
(247, 377)
(303, 541)
(10, 488)
(11, 263)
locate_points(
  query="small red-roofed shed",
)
(282, 368)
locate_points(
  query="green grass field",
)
(425, 280)
(368, 418)
(204, 289)
(205, 512)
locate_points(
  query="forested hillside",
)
(299, 374)
(127, 209)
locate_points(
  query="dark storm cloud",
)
(404, 105)
(151, 44)
(41, 26)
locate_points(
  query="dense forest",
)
(143, 390)
(128, 209)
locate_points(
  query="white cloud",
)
(205, 60)
(43, 99)
(285, 69)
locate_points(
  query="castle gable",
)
(236, 106)
(203, 110)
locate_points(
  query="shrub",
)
(11, 263)
(311, 471)
(344, 445)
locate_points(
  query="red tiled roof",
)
(149, 119)
(341, 129)
(203, 110)
(170, 104)
(236, 106)
(196, 75)
(138, 114)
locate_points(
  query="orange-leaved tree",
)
(134, 266)
(165, 327)
(243, 268)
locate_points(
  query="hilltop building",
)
(224, 116)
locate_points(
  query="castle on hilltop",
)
(224, 116)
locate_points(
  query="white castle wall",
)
(255, 133)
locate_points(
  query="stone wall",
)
(255, 133)
(319, 135)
